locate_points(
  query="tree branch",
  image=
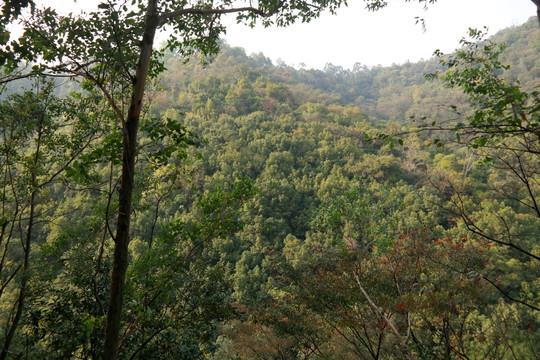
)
(509, 296)
(195, 11)
(379, 311)
(471, 226)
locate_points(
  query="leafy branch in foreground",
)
(500, 123)
(499, 113)
(500, 108)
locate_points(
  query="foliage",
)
(262, 223)
(499, 109)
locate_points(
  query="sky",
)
(354, 35)
(380, 38)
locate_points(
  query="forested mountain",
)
(283, 213)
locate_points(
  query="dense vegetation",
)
(282, 213)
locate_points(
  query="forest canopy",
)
(194, 202)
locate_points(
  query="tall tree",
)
(34, 151)
(111, 49)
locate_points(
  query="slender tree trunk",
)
(24, 282)
(537, 3)
(26, 247)
(130, 128)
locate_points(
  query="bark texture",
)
(130, 129)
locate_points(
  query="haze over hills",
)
(300, 134)
(385, 92)
(282, 213)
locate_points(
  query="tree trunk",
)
(537, 3)
(130, 128)
(24, 282)
(26, 247)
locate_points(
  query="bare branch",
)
(379, 311)
(194, 11)
(471, 226)
(509, 296)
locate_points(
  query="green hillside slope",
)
(282, 213)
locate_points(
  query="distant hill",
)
(391, 93)
(270, 221)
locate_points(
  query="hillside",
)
(281, 213)
(300, 134)
(389, 93)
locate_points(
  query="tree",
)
(498, 123)
(35, 151)
(503, 125)
(111, 49)
(500, 108)
(357, 288)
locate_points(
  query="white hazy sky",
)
(371, 38)
(384, 37)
